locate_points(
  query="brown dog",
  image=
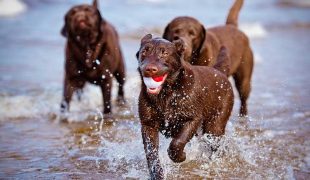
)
(93, 54)
(202, 47)
(179, 99)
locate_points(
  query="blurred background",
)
(272, 143)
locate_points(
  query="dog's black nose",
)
(151, 69)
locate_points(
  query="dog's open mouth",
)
(154, 84)
(82, 24)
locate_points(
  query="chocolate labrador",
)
(93, 55)
(202, 47)
(179, 99)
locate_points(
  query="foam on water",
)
(237, 155)
(258, 58)
(11, 8)
(299, 3)
(46, 101)
(253, 30)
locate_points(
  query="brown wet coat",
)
(202, 47)
(193, 98)
(93, 54)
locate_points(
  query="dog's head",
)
(190, 30)
(159, 62)
(83, 23)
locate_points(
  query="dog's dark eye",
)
(73, 11)
(87, 9)
(143, 52)
(175, 38)
(191, 33)
(164, 53)
(146, 49)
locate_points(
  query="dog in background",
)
(92, 55)
(179, 99)
(202, 47)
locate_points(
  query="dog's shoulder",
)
(228, 32)
(108, 28)
(208, 51)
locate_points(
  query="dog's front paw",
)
(177, 156)
(108, 118)
(176, 152)
(243, 111)
(64, 107)
(120, 101)
(157, 172)
(64, 110)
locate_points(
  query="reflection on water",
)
(273, 143)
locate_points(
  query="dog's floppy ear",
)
(137, 55)
(95, 4)
(146, 38)
(223, 61)
(179, 45)
(165, 34)
(101, 20)
(64, 30)
(203, 33)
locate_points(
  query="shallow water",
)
(273, 143)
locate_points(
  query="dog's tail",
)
(232, 17)
(223, 61)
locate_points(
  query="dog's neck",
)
(92, 52)
(196, 52)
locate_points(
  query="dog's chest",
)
(98, 74)
(174, 112)
(92, 68)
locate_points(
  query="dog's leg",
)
(120, 77)
(243, 80)
(151, 141)
(215, 127)
(79, 93)
(69, 88)
(106, 88)
(176, 148)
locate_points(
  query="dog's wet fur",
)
(93, 55)
(192, 99)
(202, 47)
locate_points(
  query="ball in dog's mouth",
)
(154, 84)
